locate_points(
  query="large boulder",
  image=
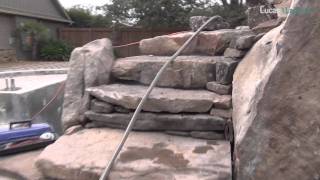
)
(217, 23)
(276, 102)
(207, 43)
(84, 155)
(89, 66)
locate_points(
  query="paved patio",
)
(32, 65)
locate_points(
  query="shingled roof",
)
(42, 9)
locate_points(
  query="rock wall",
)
(276, 105)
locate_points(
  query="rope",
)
(56, 94)
(107, 170)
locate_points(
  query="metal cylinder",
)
(12, 84)
(7, 84)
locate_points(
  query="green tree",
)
(37, 32)
(152, 13)
(83, 17)
(171, 13)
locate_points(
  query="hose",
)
(107, 170)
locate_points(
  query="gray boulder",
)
(276, 102)
(89, 66)
(161, 99)
(217, 23)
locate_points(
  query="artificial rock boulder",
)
(89, 66)
(276, 102)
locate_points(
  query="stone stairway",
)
(183, 131)
(181, 105)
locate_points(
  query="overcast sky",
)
(70, 3)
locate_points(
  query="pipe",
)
(107, 170)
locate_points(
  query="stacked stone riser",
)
(166, 111)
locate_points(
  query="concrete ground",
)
(32, 65)
(19, 166)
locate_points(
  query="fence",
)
(80, 36)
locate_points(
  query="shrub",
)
(55, 50)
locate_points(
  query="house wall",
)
(7, 49)
(45, 9)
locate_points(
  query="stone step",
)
(160, 121)
(84, 154)
(207, 42)
(161, 99)
(187, 72)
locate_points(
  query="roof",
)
(42, 9)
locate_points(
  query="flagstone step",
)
(186, 72)
(145, 156)
(160, 121)
(161, 99)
